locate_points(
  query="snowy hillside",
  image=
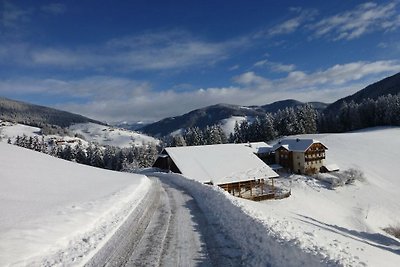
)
(345, 224)
(317, 225)
(54, 211)
(12, 130)
(228, 125)
(106, 135)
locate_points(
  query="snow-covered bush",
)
(336, 179)
(393, 230)
(351, 175)
(332, 180)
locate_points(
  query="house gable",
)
(300, 155)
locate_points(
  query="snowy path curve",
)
(168, 229)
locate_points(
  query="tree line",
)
(289, 121)
(109, 157)
(383, 111)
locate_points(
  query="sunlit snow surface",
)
(54, 211)
(345, 224)
(317, 225)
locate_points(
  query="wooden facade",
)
(165, 162)
(309, 161)
(257, 190)
(314, 158)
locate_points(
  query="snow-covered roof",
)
(220, 164)
(259, 147)
(296, 144)
(331, 167)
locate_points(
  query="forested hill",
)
(30, 114)
(389, 85)
(216, 113)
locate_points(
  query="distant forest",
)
(384, 111)
(109, 157)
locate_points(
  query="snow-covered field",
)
(54, 211)
(345, 224)
(105, 135)
(58, 212)
(341, 227)
(11, 130)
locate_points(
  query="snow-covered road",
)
(169, 229)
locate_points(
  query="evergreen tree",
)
(178, 140)
(80, 155)
(267, 128)
(307, 119)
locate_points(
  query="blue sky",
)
(146, 60)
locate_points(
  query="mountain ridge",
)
(213, 114)
(35, 115)
(386, 86)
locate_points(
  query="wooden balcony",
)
(314, 158)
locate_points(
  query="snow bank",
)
(261, 245)
(57, 212)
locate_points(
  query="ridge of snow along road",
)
(260, 245)
(58, 212)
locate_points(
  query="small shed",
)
(330, 168)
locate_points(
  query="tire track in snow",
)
(122, 244)
(167, 229)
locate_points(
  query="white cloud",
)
(251, 80)
(156, 51)
(337, 75)
(292, 24)
(13, 16)
(54, 8)
(116, 99)
(365, 18)
(234, 67)
(347, 25)
(275, 66)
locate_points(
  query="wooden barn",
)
(233, 167)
